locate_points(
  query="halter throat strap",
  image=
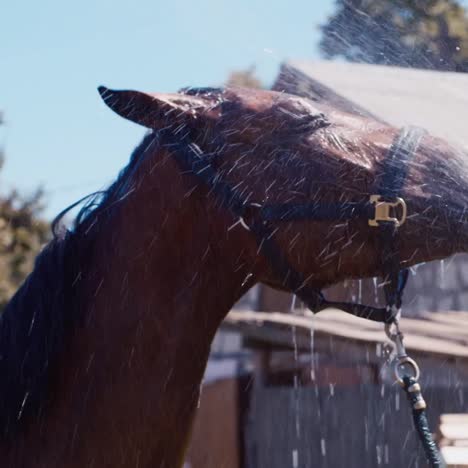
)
(380, 211)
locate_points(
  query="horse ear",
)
(150, 110)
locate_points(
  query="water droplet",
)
(323, 447)
(295, 458)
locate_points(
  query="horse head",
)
(230, 187)
(275, 148)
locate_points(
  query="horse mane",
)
(41, 317)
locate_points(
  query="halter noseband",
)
(384, 210)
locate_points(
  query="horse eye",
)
(299, 122)
(311, 123)
(205, 91)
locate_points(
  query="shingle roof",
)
(437, 101)
(442, 334)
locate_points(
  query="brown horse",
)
(103, 349)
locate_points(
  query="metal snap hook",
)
(400, 372)
(403, 365)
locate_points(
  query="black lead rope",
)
(407, 375)
(384, 211)
(413, 392)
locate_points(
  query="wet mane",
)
(37, 323)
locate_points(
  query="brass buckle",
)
(383, 208)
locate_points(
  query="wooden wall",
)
(331, 427)
(216, 436)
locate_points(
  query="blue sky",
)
(53, 55)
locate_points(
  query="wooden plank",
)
(455, 457)
(454, 434)
(453, 429)
(454, 418)
(454, 317)
(215, 436)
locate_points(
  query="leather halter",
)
(385, 212)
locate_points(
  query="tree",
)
(22, 235)
(2, 122)
(244, 79)
(415, 33)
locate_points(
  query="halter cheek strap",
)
(390, 185)
(384, 210)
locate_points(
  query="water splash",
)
(323, 447)
(442, 274)
(295, 458)
(376, 290)
(297, 423)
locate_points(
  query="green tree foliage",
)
(22, 234)
(244, 79)
(416, 33)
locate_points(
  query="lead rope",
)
(407, 374)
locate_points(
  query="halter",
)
(385, 212)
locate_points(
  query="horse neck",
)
(165, 272)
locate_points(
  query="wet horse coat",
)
(104, 347)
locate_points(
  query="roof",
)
(443, 333)
(436, 101)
